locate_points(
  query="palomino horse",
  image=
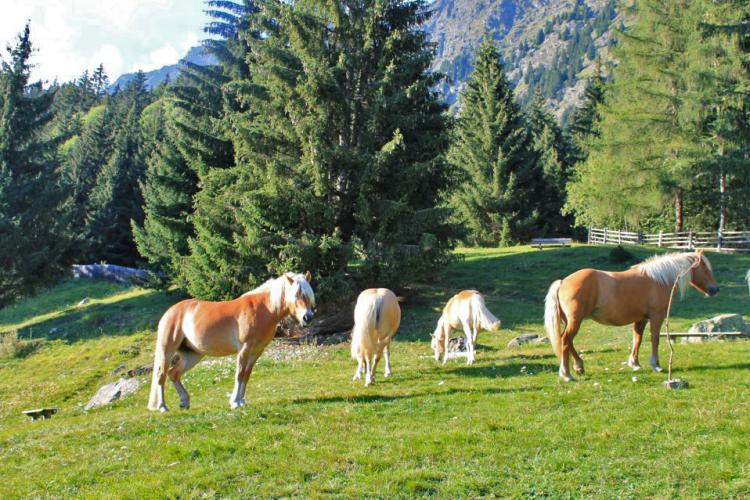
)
(467, 312)
(244, 326)
(639, 295)
(377, 317)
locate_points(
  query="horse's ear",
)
(290, 278)
(308, 276)
(699, 254)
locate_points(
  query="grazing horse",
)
(464, 311)
(639, 295)
(244, 326)
(377, 317)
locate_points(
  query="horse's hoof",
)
(657, 368)
(386, 374)
(185, 406)
(566, 378)
(163, 409)
(356, 376)
(579, 371)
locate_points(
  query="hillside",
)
(196, 55)
(551, 45)
(503, 426)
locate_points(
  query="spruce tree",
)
(641, 159)
(167, 190)
(116, 199)
(554, 153)
(33, 234)
(337, 133)
(492, 149)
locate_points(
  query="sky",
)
(70, 36)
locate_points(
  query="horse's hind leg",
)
(469, 344)
(185, 361)
(358, 373)
(567, 348)
(166, 346)
(638, 328)
(655, 327)
(387, 356)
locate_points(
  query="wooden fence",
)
(732, 241)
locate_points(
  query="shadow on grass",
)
(502, 371)
(708, 368)
(121, 317)
(381, 398)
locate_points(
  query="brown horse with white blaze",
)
(639, 295)
(192, 329)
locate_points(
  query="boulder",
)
(716, 325)
(112, 392)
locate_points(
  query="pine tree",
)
(116, 199)
(33, 240)
(83, 163)
(646, 145)
(554, 152)
(585, 119)
(168, 191)
(333, 158)
(493, 150)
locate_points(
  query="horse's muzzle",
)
(713, 290)
(309, 315)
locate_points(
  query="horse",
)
(377, 317)
(192, 329)
(639, 295)
(464, 311)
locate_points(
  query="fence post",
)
(660, 234)
(619, 237)
(605, 235)
(588, 239)
(640, 238)
(718, 240)
(690, 239)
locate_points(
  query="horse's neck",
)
(277, 313)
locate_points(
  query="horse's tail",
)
(484, 317)
(367, 316)
(552, 316)
(159, 363)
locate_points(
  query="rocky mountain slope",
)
(549, 45)
(196, 55)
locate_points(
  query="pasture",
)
(505, 426)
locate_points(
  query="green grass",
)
(505, 426)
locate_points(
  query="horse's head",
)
(702, 277)
(300, 298)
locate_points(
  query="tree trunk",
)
(722, 202)
(678, 211)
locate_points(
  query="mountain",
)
(196, 55)
(549, 45)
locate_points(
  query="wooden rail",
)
(733, 241)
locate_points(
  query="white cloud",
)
(162, 56)
(71, 36)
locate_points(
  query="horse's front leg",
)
(638, 328)
(245, 363)
(655, 327)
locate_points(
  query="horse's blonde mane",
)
(664, 269)
(280, 290)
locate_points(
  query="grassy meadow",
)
(505, 426)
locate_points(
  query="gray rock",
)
(526, 339)
(716, 325)
(112, 392)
